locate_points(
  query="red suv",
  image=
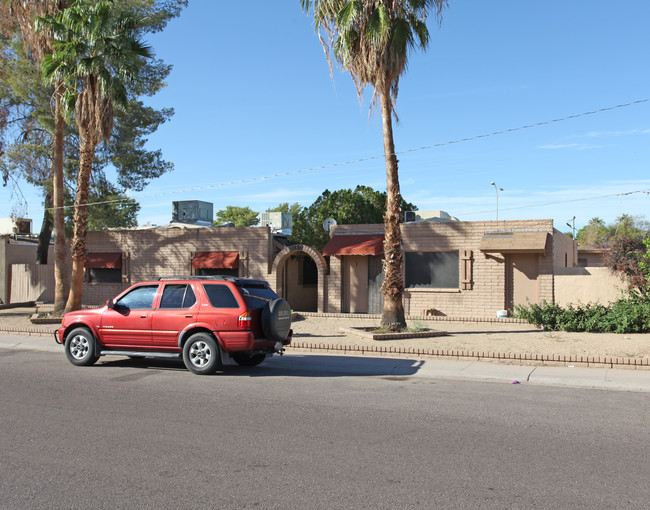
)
(202, 319)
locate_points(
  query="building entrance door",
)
(522, 271)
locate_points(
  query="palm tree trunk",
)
(61, 272)
(392, 315)
(86, 155)
(46, 232)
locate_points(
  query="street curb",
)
(526, 358)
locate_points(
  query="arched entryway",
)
(299, 272)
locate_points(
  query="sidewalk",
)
(316, 337)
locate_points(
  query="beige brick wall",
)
(150, 254)
(488, 289)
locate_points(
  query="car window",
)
(140, 298)
(257, 290)
(177, 295)
(257, 294)
(220, 296)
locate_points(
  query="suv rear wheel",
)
(201, 354)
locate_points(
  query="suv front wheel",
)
(80, 347)
(201, 354)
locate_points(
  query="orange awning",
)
(104, 260)
(357, 244)
(216, 260)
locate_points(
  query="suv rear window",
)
(220, 296)
(257, 294)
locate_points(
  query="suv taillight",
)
(245, 321)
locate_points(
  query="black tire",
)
(248, 360)
(81, 347)
(201, 354)
(276, 320)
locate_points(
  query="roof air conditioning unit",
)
(431, 216)
(194, 212)
(280, 223)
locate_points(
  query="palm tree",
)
(39, 42)
(371, 40)
(96, 51)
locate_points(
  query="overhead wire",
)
(373, 158)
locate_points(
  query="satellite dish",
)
(327, 224)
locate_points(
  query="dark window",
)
(257, 294)
(220, 296)
(104, 275)
(309, 272)
(177, 295)
(140, 298)
(432, 269)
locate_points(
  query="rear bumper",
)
(234, 342)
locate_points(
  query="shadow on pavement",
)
(294, 365)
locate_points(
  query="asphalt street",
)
(310, 432)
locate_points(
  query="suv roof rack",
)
(199, 277)
(216, 277)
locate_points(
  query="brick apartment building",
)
(452, 268)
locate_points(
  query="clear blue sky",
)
(254, 100)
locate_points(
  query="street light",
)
(497, 189)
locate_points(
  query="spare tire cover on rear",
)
(276, 319)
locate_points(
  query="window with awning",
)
(355, 244)
(104, 267)
(216, 263)
(216, 260)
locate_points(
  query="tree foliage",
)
(629, 256)
(363, 205)
(597, 234)
(29, 125)
(238, 216)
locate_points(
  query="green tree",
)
(29, 105)
(95, 50)
(293, 209)
(239, 216)
(38, 44)
(363, 205)
(594, 234)
(371, 39)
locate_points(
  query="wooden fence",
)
(32, 282)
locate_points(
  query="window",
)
(104, 267)
(309, 273)
(177, 295)
(104, 275)
(432, 270)
(140, 298)
(220, 296)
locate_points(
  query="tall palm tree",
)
(371, 40)
(27, 12)
(96, 51)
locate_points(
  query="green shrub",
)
(629, 314)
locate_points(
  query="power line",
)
(373, 158)
(623, 194)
